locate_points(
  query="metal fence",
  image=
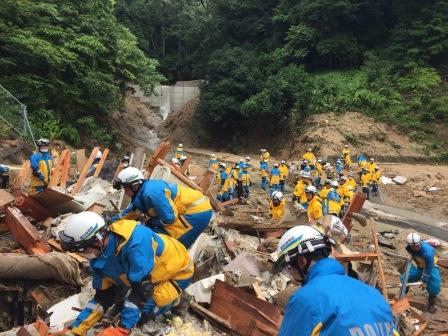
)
(14, 117)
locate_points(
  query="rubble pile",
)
(235, 291)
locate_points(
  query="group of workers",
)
(140, 263)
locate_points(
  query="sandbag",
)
(54, 265)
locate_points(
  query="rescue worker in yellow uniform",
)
(333, 203)
(155, 268)
(95, 164)
(213, 163)
(371, 166)
(245, 180)
(362, 161)
(274, 179)
(277, 205)
(309, 156)
(180, 212)
(319, 171)
(351, 181)
(248, 164)
(265, 156)
(284, 172)
(366, 178)
(314, 209)
(325, 189)
(347, 158)
(299, 189)
(179, 151)
(375, 180)
(41, 166)
(264, 173)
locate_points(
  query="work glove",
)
(114, 331)
(141, 292)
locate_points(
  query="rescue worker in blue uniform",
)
(329, 303)
(155, 268)
(426, 269)
(180, 212)
(245, 180)
(4, 177)
(264, 173)
(41, 166)
(95, 163)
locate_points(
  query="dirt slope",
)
(327, 133)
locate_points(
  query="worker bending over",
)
(180, 212)
(329, 302)
(154, 267)
(425, 268)
(277, 205)
(299, 189)
(41, 166)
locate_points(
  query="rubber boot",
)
(431, 307)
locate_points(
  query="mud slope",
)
(327, 133)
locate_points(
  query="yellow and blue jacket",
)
(275, 176)
(213, 165)
(179, 152)
(333, 203)
(245, 179)
(284, 171)
(277, 212)
(180, 212)
(324, 192)
(366, 179)
(425, 259)
(326, 303)
(42, 166)
(299, 192)
(314, 209)
(264, 168)
(135, 253)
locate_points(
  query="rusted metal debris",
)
(24, 232)
(245, 313)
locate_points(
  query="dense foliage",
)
(274, 62)
(68, 61)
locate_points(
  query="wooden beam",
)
(80, 159)
(230, 202)
(186, 164)
(84, 172)
(181, 176)
(65, 170)
(214, 319)
(355, 206)
(355, 256)
(380, 265)
(5, 198)
(31, 207)
(17, 188)
(56, 177)
(101, 163)
(207, 180)
(160, 153)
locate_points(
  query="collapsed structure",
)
(235, 288)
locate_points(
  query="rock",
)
(439, 176)
(386, 242)
(386, 180)
(418, 193)
(400, 180)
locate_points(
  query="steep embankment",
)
(136, 124)
(328, 132)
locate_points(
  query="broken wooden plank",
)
(18, 186)
(244, 312)
(5, 198)
(80, 159)
(181, 176)
(355, 256)
(214, 202)
(65, 170)
(230, 202)
(84, 172)
(214, 319)
(24, 232)
(186, 164)
(56, 176)
(51, 198)
(101, 163)
(30, 207)
(57, 247)
(355, 206)
(251, 226)
(379, 263)
(207, 180)
(97, 208)
(160, 153)
(400, 306)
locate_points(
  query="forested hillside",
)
(68, 61)
(269, 64)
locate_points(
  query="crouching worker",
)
(177, 211)
(277, 206)
(155, 268)
(329, 302)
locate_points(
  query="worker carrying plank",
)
(41, 166)
(425, 268)
(155, 268)
(329, 302)
(180, 212)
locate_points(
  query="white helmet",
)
(372, 159)
(309, 149)
(277, 195)
(127, 177)
(283, 161)
(180, 145)
(319, 160)
(175, 161)
(306, 174)
(275, 164)
(346, 146)
(98, 155)
(81, 231)
(334, 184)
(247, 158)
(212, 156)
(183, 157)
(343, 178)
(241, 160)
(311, 190)
(43, 142)
(413, 239)
(223, 165)
(301, 240)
